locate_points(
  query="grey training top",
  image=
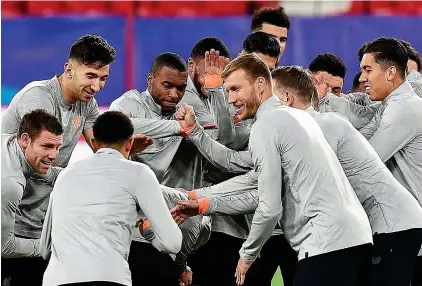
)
(149, 119)
(91, 216)
(15, 171)
(395, 133)
(75, 118)
(320, 211)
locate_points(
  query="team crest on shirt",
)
(76, 123)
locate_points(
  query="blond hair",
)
(251, 64)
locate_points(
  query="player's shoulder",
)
(408, 104)
(335, 117)
(191, 97)
(137, 168)
(36, 89)
(128, 99)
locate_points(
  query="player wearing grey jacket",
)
(29, 153)
(69, 97)
(338, 207)
(92, 242)
(152, 113)
(391, 209)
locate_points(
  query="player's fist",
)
(186, 116)
(186, 278)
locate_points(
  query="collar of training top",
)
(151, 103)
(414, 75)
(190, 86)
(270, 103)
(310, 110)
(110, 151)
(404, 88)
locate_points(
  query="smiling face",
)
(42, 150)
(167, 87)
(85, 81)
(376, 80)
(242, 94)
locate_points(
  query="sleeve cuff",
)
(184, 132)
(247, 257)
(213, 81)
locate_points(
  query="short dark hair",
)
(263, 43)
(388, 52)
(112, 127)
(270, 15)
(92, 50)
(360, 51)
(356, 81)
(208, 43)
(295, 78)
(329, 63)
(170, 60)
(412, 53)
(38, 120)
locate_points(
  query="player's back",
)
(94, 212)
(389, 206)
(321, 211)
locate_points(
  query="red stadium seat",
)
(11, 9)
(85, 7)
(179, 8)
(49, 8)
(121, 7)
(229, 8)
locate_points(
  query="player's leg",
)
(394, 256)
(148, 266)
(341, 267)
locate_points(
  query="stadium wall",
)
(35, 48)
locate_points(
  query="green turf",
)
(277, 279)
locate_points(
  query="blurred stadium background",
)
(36, 35)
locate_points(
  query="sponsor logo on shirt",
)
(76, 123)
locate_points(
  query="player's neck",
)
(266, 93)
(67, 92)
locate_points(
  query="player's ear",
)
(68, 70)
(94, 144)
(129, 144)
(25, 140)
(391, 73)
(260, 84)
(290, 98)
(149, 79)
(191, 66)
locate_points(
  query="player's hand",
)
(214, 63)
(241, 269)
(188, 207)
(320, 85)
(142, 224)
(140, 143)
(331, 81)
(186, 278)
(186, 116)
(178, 217)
